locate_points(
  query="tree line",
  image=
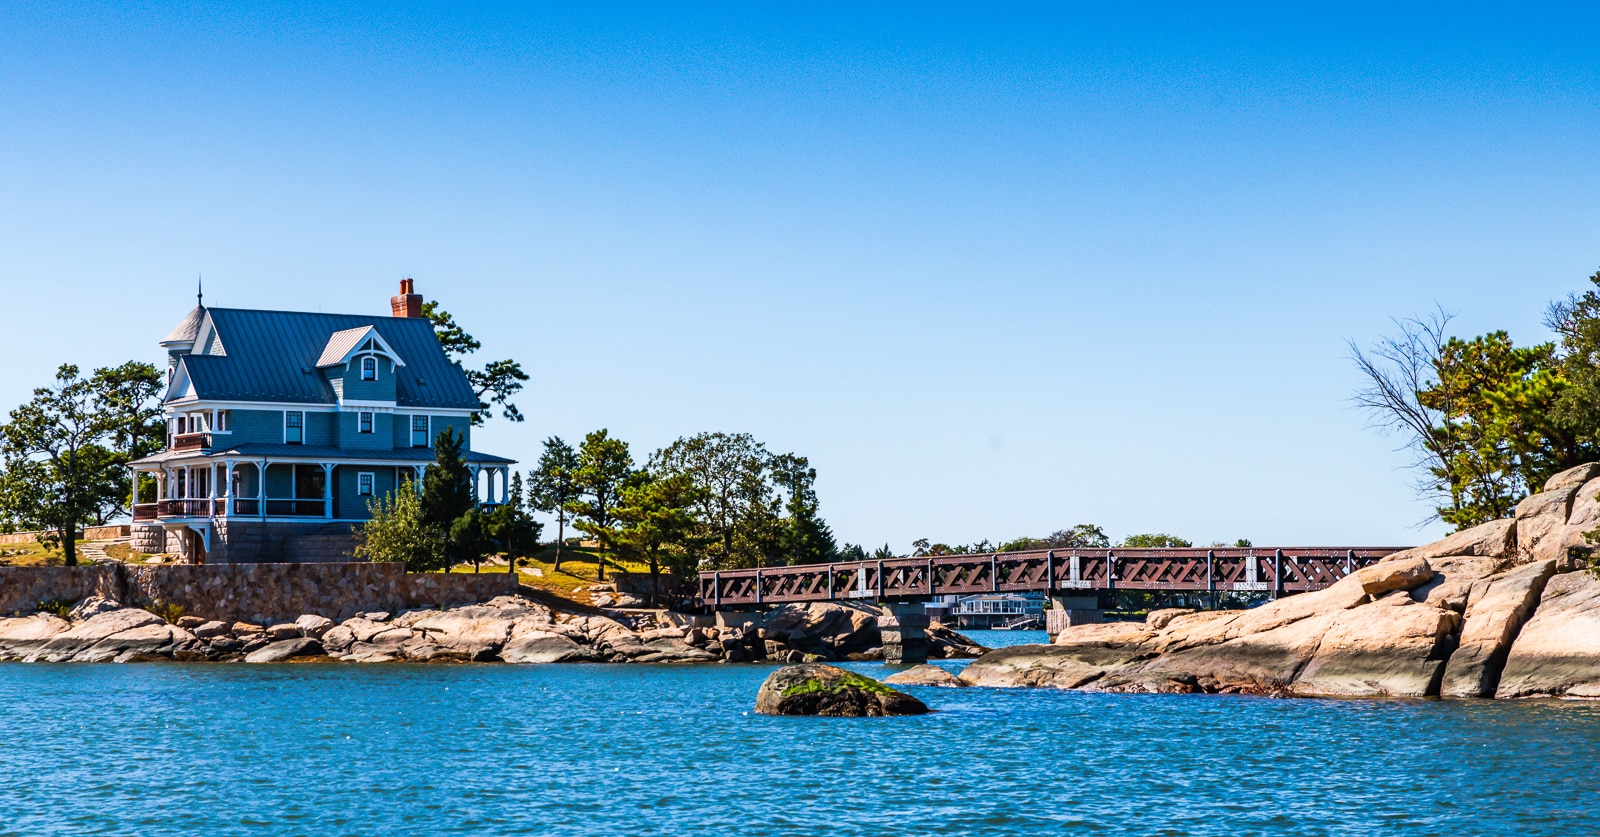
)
(1487, 421)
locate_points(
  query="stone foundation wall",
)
(261, 593)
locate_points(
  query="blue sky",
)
(996, 270)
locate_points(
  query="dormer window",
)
(369, 369)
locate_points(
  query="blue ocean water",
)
(158, 749)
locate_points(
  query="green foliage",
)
(737, 507)
(604, 466)
(498, 381)
(66, 450)
(397, 531)
(846, 681)
(447, 491)
(510, 529)
(1081, 536)
(658, 526)
(1488, 421)
(803, 538)
(167, 610)
(468, 539)
(553, 486)
(1154, 541)
(1496, 424)
(854, 552)
(56, 607)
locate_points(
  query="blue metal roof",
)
(272, 357)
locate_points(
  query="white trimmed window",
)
(364, 423)
(369, 369)
(222, 421)
(364, 484)
(294, 427)
(419, 431)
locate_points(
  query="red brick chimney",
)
(408, 303)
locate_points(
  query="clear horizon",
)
(995, 272)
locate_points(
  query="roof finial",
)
(199, 290)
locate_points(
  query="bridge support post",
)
(905, 633)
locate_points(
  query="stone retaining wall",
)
(261, 593)
(93, 533)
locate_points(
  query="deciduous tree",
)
(396, 531)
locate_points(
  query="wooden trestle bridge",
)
(1278, 571)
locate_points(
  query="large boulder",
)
(923, 675)
(1499, 606)
(1573, 477)
(1453, 579)
(1402, 574)
(819, 689)
(22, 637)
(1557, 653)
(477, 632)
(286, 649)
(1265, 662)
(1495, 539)
(313, 626)
(1542, 525)
(91, 607)
(1081, 655)
(106, 635)
(843, 628)
(543, 647)
(1393, 647)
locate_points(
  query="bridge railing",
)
(1225, 569)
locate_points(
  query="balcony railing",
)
(191, 441)
(146, 511)
(251, 507)
(202, 507)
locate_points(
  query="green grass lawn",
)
(577, 570)
(30, 554)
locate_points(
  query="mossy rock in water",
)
(817, 689)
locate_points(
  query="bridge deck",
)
(1274, 570)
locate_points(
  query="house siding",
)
(352, 388)
(254, 426)
(349, 504)
(461, 426)
(352, 439)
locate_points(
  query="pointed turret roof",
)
(188, 328)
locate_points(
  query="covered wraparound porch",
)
(290, 487)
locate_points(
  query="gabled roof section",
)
(346, 344)
(273, 357)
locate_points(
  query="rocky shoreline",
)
(1508, 609)
(509, 629)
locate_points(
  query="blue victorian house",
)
(283, 426)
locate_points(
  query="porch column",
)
(417, 483)
(505, 485)
(327, 490)
(261, 489)
(227, 486)
(476, 495)
(133, 472)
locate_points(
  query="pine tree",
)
(447, 491)
(604, 465)
(553, 486)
